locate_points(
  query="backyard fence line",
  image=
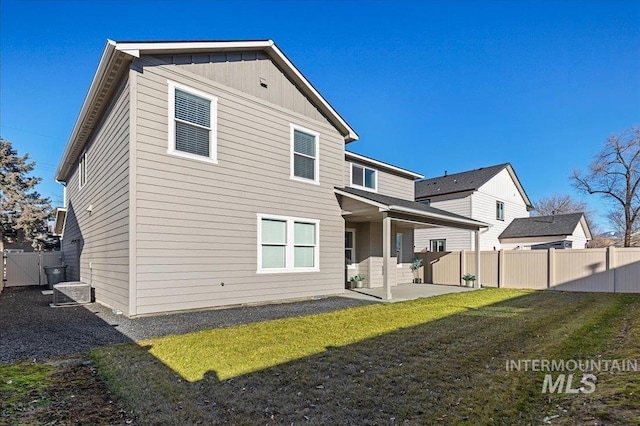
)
(614, 270)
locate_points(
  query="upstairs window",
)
(304, 154)
(499, 210)
(192, 123)
(82, 170)
(364, 177)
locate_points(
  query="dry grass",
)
(437, 360)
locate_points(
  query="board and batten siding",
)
(389, 183)
(248, 72)
(96, 243)
(196, 222)
(483, 207)
(457, 239)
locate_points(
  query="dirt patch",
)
(73, 394)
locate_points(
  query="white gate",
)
(28, 268)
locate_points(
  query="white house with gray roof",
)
(561, 231)
(493, 195)
(212, 173)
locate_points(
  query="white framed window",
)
(192, 123)
(305, 145)
(82, 170)
(399, 249)
(364, 177)
(438, 245)
(350, 248)
(288, 244)
(499, 210)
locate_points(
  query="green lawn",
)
(436, 360)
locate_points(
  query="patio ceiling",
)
(364, 206)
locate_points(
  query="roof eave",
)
(384, 165)
(109, 55)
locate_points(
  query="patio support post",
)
(477, 284)
(386, 255)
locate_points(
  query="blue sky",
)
(429, 86)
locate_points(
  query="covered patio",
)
(377, 219)
(404, 292)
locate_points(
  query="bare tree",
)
(22, 208)
(558, 204)
(615, 174)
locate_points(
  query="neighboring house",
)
(204, 174)
(562, 231)
(493, 195)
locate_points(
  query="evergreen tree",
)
(24, 210)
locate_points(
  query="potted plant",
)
(357, 279)
(415, 266)
(469, 279)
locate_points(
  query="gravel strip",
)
(30, 329)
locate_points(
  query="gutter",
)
(107, 56)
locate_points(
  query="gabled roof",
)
(400, 205)
(115, 61)
(352, 156)
(545, 226)
(470, 180)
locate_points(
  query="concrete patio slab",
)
(404, 292)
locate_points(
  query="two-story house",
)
(202, 174)
(493, 195)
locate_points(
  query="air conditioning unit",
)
(71, 293)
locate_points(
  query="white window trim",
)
(213, 135)
(363, 187)
(437, 239)
(82, 170)
(498, 202)
(316, 172)
(354, 265)
(289, 247)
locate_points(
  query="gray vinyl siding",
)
(243, 71)
(369, 252)
(101, 237)
(388, 183)
(457, 239)
(196, 222)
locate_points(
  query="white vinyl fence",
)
(21, 269)
(615, 270)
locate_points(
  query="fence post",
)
(611, 264)
(500, 268)
(463, 264)
(551, 267)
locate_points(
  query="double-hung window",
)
(364, 177)
(192, 123)
(499, 210)
(287, 244)
(304, 154)
(82, 170)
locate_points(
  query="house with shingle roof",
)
(555, 231)
(493, 195)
